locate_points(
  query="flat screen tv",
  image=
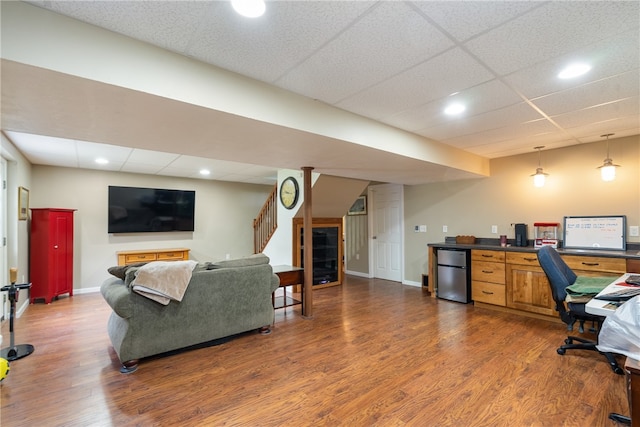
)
(140, 210)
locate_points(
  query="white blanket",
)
(163, 281)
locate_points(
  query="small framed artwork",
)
(23, 203)
(359, 207)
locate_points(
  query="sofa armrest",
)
(118, 296)
(275, 282)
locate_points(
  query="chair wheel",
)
(618, 370)
(561, 350)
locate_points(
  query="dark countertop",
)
(632, 252)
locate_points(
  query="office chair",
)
(560, 276)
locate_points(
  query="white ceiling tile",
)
(536, 128)
(448, 130)
(88, 152)
(552, 30)
(599, 92)
(268, 47)
(386, 41)
(45, 150)
(466, 19)
(152, 158)
(450, 72)
(616, 55)
(629, 107)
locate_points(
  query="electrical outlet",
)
(634, 231)
(445, 228)
(494, 229)
(423, 228)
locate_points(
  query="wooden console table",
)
(146, 255)
(289, 276)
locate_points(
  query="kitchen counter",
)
(632, 252)
(510, 278)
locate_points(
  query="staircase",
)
(266, 223)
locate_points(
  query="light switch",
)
(634, 231)
(445, 228)
(494, 229)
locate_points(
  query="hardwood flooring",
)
(376, 353)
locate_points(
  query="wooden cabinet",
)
(527, 286)
(327, 250)
(488, 277)
(595, 266)
(147, 255)
(51, 253)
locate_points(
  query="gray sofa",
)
(222, 299)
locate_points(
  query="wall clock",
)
(289, 192)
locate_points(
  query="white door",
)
(386, 231)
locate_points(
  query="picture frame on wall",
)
(359, 207)
(23, 203)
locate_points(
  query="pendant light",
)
(539, 177)
(608, 169)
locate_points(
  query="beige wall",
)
(574, 187)
(224, 217)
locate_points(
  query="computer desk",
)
(631, 366)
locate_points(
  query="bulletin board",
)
(595, 232)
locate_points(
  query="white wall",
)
(223, 223)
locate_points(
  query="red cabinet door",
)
(51, 261)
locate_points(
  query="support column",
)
(307, 224)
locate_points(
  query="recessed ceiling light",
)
(574, 70)
(102, 161)
(205, 172)
(249, 8)
(454, 109)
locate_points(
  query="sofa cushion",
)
(256, 259)
(120, 271)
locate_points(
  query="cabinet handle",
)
(487, 256)
(487, 292)
(591, 264)
(530, 259)
(55, 246)
(487, 271)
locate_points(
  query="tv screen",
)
(139, 210)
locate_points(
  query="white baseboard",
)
(86, 290)
(412, 283)
(358, 274)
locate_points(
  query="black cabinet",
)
(327, 250)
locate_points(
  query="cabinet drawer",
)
(171, 256)
(131, 258)
(490, 293)
(487, 271)
(522, 258)
(482, 255)
(596, 264)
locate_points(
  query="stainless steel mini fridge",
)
(454, 277)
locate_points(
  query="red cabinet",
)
(51, 250)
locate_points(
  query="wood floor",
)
(376, 353)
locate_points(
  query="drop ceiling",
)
(398, 63)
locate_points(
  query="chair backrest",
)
(558, 273)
